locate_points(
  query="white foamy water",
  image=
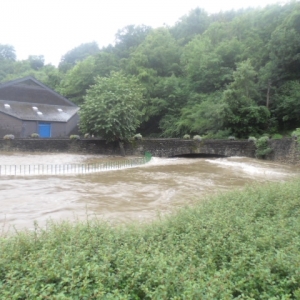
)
(252, 167)
(63, 164)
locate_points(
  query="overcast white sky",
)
(53, 27)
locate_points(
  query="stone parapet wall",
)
(90, 146)
(285, 150)
(176, 147)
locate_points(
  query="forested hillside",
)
(232, 73)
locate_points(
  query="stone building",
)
(27, 106)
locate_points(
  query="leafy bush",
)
(113, 107)
(138, 136)
(239, 245)
(86, 136)
(276, 136)
(197, 138)
(35, 135)
(220, 134)
(9, 137)
(262, 147)
(252, 139)
(74, 137)
(296, 133)
(231, 138)
(186, 136)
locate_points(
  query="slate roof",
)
(43, 112)
(30, 90)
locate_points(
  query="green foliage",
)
(220, 134)
(262, 147)
(35, 135)
(267, 135)
(74, 137)
(36, 61)
(203, 66)
(137, 136)
(191, 25)
(237, 71)
(9, 137)
(79, 79)
(204, 114)
(197, 138)
(296, 133)
(77, 54)
(168, 96)
(277, 136)
(242, 115)
(287, 104)
(252, 139)
(129, 38)
(186, 136)
(239, 245)
(112, 107)
(7, 52)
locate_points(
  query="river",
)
(140, 193)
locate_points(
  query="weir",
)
(71, 169)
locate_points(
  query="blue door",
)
(45, 130)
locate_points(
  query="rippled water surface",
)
(138, 193)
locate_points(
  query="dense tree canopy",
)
(77, 54)
(7, 52)
(235, 72)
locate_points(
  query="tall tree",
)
(129, 38)
(204, 114)
(7, 60)
(241, 113)
(191, 25)
(77, 54)
(287, 104)
(113, 107)
(78, 79)
(159, 52)
(204, 66)
(7, 52)
(36, 61)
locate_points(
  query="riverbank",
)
(240, 244)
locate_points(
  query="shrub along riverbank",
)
(239, 245)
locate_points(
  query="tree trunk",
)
(121, 145)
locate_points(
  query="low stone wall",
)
(157, 147)
(91, 146)
(284, 150)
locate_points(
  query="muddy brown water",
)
(139, 193)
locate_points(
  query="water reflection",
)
(123, 195)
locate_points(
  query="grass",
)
(238, 245)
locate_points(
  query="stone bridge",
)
(180, 147)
